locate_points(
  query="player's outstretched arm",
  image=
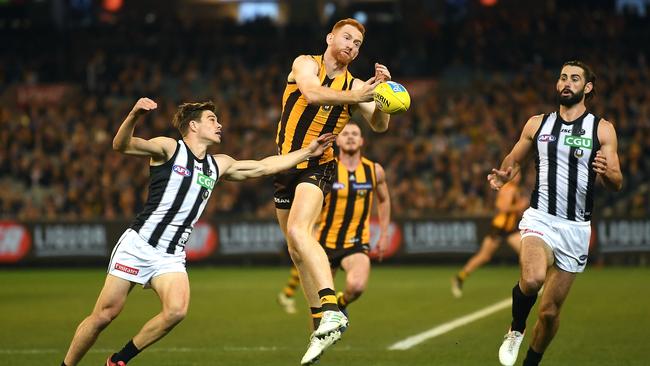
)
(305, 72)
(522, 150)
(158, 148)
(606, 163)
(377, 119)
(383, 210)
(244, 169)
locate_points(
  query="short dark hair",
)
(187, 112)
(590, 76)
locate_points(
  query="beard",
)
(342, 57)
(571, 100)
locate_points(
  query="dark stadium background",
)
(70, 70)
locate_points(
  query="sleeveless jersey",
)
(179, 189)
(301, 122)
(345, 219)
(564, 155)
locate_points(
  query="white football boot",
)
(510, 348)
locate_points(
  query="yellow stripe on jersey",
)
(345, 219)
(301, 122)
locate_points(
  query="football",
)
(392, 97)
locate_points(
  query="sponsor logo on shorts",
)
(546, 138)
(179, 169)
(531, 231)
(126, 269)
(281, 200)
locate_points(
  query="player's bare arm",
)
(606, 163)
(383, 209)
(505, 201)
(377, 119)
(519, 154)
(160, 149)
(305, 73)
(244, 169)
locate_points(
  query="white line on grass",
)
(449, 326)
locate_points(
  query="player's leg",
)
(558, 284)
(285, 297)
(308, 289)
(534, 259)
(514, 241)
(489, 245)
(173, 289)
(109, 304)
(307, 254)
(357, 271)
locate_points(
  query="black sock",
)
(127, 353)
(532, 358)
(521, 305)
(328, 300)
(316, 314)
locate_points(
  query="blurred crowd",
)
(474, 84)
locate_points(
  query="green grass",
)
(234, 319)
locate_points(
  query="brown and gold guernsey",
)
(302, 122)
(345, 219)
(507, 221)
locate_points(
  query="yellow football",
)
(392, 97)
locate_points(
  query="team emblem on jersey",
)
(327, 108)
(179, 169)
(205, 181)
(578, 153)
(338, 185)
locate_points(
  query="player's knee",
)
(531, 283)
(549, 314)
(356, 287)
(175, 314)
(104, 317)
(296, 235)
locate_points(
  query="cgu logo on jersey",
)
(546, 138)
(205, 181)
(182, 170)
(575, 141)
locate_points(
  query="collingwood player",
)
(574, 150)
(151, 251)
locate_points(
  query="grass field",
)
(234, 319)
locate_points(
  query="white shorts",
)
(568, 239)
(133, 259)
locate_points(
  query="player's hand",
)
(317, 147)
(382, 244)
(600, 163)
(499, 177)
(143, 105)
(367, 91)
(381, 73)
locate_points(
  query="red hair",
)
(349, 21)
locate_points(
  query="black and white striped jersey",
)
(564, 155)
(179, 189)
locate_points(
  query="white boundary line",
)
(449, 326)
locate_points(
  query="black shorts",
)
(286, 182)
(335, 256)
(498, 232)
